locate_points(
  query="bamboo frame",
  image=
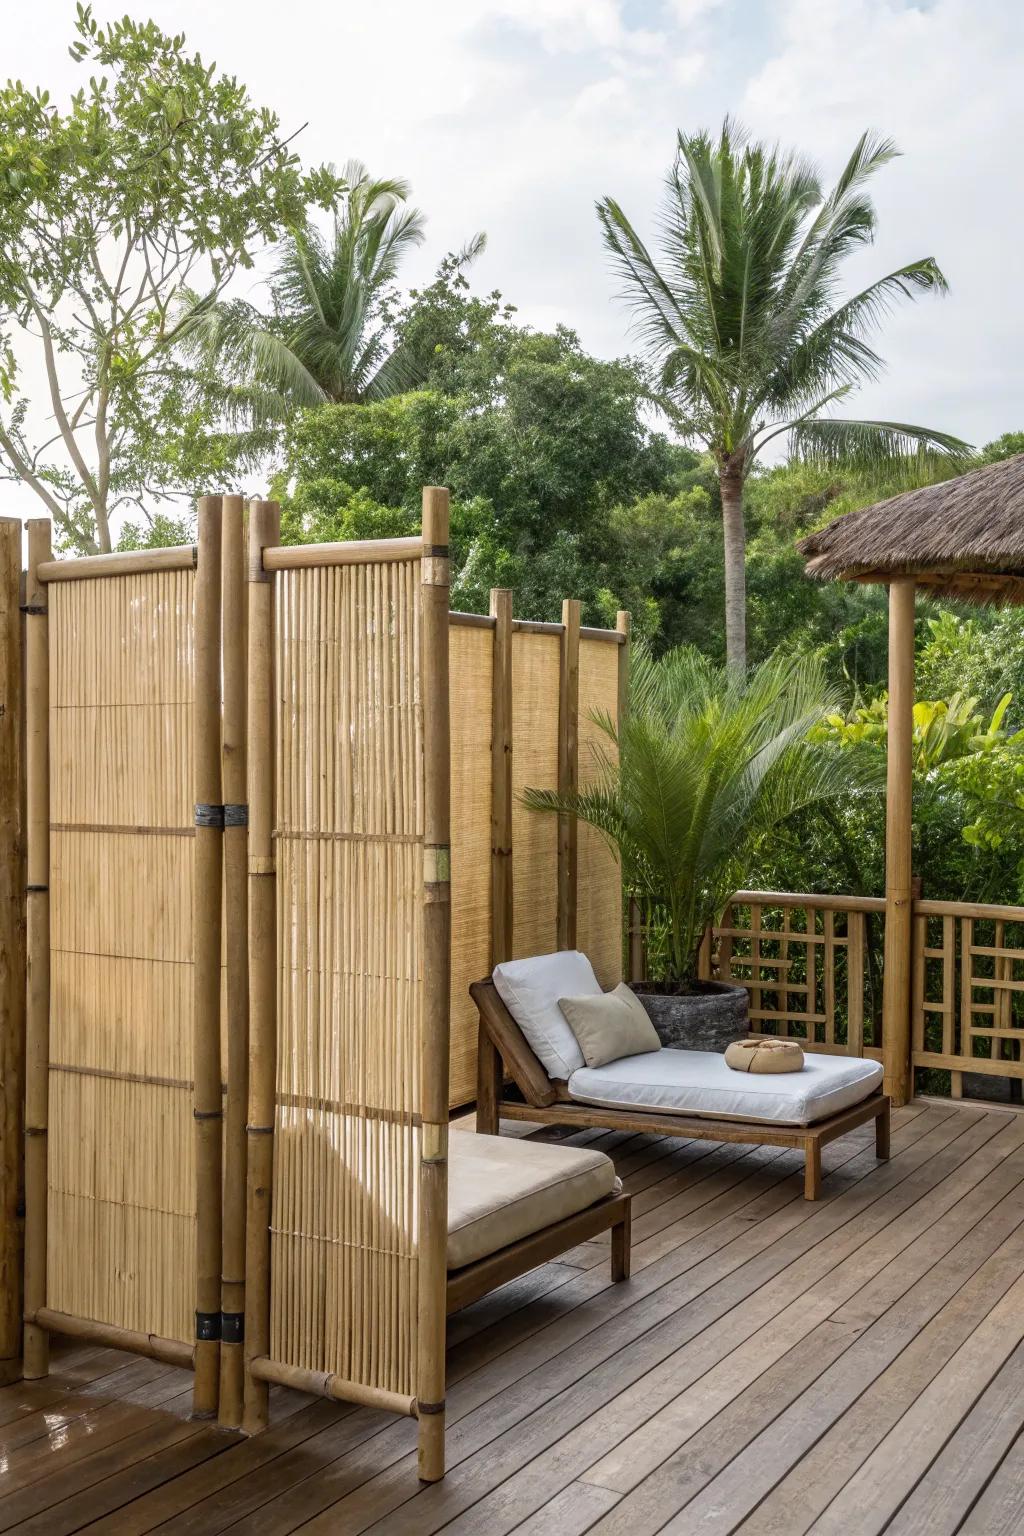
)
(433, 1235)
(207, 910)
(12, 954)
(568, 770)
(502, 911)
(149, 1345)
(896, 995)
(264, 531)
(236, 952)
(297, 557)
(180, 557)
(37, 970)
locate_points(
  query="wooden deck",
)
(773, 1367)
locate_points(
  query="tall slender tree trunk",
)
(730, 482)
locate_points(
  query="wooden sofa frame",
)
(503, 1048)
(475, 1280)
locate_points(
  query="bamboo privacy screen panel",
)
(523, 695)
(123, 1091)
(346, 1280)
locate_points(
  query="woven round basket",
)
(764, 1056)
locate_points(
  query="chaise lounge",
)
(667, 1092)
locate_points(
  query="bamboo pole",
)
(109, 1336)
(328, 1384)
(236, 938)
(297, 557)
(37, 968)
(180, 557)
(264, 531)
(207, 900)
(624, 627)
(433, 1244)
(634, 937)
(568, 770)
(896, 990)
(501, 778)
(12, 955)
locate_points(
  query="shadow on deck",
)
(774, 1367)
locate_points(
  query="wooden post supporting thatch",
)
(37, 969)
(236, 950)
(568, 770)
(896, 995)
(501, 778)
(12, 954)
(207, 907)
(433, 1238)
(264, 532)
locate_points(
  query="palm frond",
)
(894, 447)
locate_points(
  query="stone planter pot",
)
(708, 1019)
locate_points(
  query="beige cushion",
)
(764, 1056)
(503, 1188)
(610, 1026)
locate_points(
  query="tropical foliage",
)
(740, 315)
(161, 177)
(704, 768)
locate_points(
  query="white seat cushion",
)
(530, 990)
(700, 1083)
(503, 1188)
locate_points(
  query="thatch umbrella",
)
(963, 539)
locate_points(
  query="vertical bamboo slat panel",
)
(37, 967)
(236, 950)
(471, 769)
(568, 771)
(433, 1233)
(598, 876)
(264, 531)
(12, 955)
(206, 973)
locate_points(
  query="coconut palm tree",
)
(705, 764)
(741, 314)
(327, 335)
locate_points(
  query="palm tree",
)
(742, 318)
(327, 336)
(705, 764)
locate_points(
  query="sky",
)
(514, 116)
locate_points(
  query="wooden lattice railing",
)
(810, 963)
(813, 965)
(968, 990)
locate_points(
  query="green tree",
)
(161, 177)
(328, 335)
(740, 316)
(704, 768)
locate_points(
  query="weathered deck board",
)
(774, 1367)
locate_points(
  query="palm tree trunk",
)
(730, 484)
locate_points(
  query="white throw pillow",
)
(530, 990)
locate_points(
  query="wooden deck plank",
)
(774, 1367)
(944, 1496)
(563, 1352)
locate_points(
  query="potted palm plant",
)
(704, 766)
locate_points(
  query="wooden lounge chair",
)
(504, 1049)
(545, 1198)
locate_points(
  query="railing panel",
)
(804, 959)
(968, 1009)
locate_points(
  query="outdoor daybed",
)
(666, 1092)
(514, 1204)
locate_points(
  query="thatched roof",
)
(963, 538)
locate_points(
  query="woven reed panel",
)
(349, 830)
(599, 883)
(121, 1225)
(471, 663)
(536, 665)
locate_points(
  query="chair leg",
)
(882, 1135)
(812, 1169)
(489, 1075)
(621, 1246)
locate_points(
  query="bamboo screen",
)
(598, 880)
(121, 1223)
(471, 656)
(536, 667)
(349, 829)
